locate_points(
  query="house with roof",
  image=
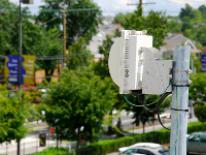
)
(173, 40)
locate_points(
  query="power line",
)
(147, 3)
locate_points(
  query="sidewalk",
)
(29, 145)
(156, 127)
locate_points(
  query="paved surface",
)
(30, 144)
(107, 28)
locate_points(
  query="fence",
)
(29, 146)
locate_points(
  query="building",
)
(173, 40)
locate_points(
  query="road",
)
(107, 28)
(29, 144)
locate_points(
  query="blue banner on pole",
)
(203, 60)
(16, 70)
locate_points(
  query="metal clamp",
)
(181, 110)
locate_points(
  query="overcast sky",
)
(111, 7)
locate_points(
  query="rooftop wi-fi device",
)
(130, 60)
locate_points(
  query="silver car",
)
(143, 149)
(196, 143)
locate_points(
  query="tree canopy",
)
(155, 23)
(79, 55)
(12, 116)
(83, 17)
(78, 104)
(191, 22)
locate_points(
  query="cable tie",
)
(181, 110)
(177, 85)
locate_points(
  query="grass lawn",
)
(54, 151)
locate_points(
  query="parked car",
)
(143, 149)
(196, 143)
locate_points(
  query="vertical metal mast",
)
(180, 100)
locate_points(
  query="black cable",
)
(157, 108)
(161, 123)
(163, 97)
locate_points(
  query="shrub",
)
(162, 136)
(54, 151)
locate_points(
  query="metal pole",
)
(180, 100)
(20, 28)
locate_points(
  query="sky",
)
(112, 7)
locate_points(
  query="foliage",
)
(198, 95)
(146, 114)
(50, 46)
(81, 23)
(79, 55)
(122, 18)
(196, 63)
(174, 24)
(8, 26)
(200, 111)
(197, 89)
(78, 104)
(193, 23)
(101, 67)
(162, 136)
(155, 23)
(36, 40)
(12, 116)
(54, 151)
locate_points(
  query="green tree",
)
(77, 105)
(8, 25)
(193, 23)
(12, 116)
(36, 40)
(197, 89)
(146, 113)
(83, 17)
(79, 55)
(155, 23)
(101, 67)
(198, 95)
(174, 25)
(50, 47)
(202, 9)
(200, 111)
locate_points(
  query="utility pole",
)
(65, 37)
(180, 101)
(140, 5)
(64, 7)
(20, 64)
(20, 28)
